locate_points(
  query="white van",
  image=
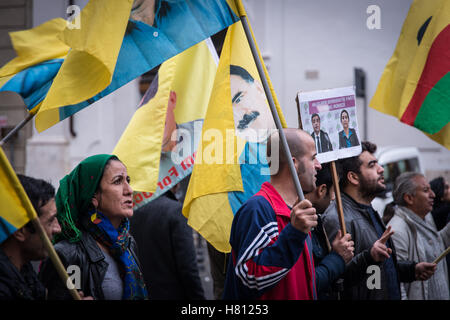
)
(395, 160)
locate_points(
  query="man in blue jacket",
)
(329, 259)
(271, 255)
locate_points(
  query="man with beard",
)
(252, 117)
(374, 272)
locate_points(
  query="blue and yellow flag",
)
(118, 40)
(160, 141)
(15, 207)
(230, 163)
(40, 54)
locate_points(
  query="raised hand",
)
(379, 251)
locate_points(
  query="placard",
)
(330, 117)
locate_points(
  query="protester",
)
(388, 213)
(416, 237)
(18, 280)
(167, 250)
(218, 267)
(329, 259)
(94, 204)
(441, 207)
(361, 179)
(271, 248)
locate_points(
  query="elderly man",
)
(361, 180)
(416, 237)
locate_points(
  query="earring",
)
(94, 217)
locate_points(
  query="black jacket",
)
(359, 224)
(167, 252)
(329, 265)
(325, 142)
(353, 138)
(89, 257)
(15, 285)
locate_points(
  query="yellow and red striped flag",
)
(415, 85)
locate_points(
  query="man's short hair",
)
(438, 187)
(315, 115)
(324, 176)
(39, 192)
(405, 184)
(295, 146)
(353, 163)
(239, 71)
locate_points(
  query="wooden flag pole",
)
(17, 128)
(273, 109)
(55, 258)
(443, 254)
(337, 191)
(334, 176)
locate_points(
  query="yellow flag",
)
(89, 66)
(184, 82)
(15, 207)
(35, 45)
(414, 86)
(237, 121)
(109, 47)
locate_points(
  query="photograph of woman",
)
(347, 137)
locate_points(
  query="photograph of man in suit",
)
(323, 143)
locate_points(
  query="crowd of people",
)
(281, 248)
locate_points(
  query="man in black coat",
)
(166, 250)
(323, 143)
(374, 272)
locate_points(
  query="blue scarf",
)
(117, 241)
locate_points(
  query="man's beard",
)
(369, 188)
(302, 171)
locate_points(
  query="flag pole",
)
(338, 197)
(273, 109)
(334, 177)
(443, 254)
(16, 128)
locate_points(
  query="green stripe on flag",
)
(434, 113)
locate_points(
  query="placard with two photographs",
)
(330, 117)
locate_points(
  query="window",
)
(393, 169)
